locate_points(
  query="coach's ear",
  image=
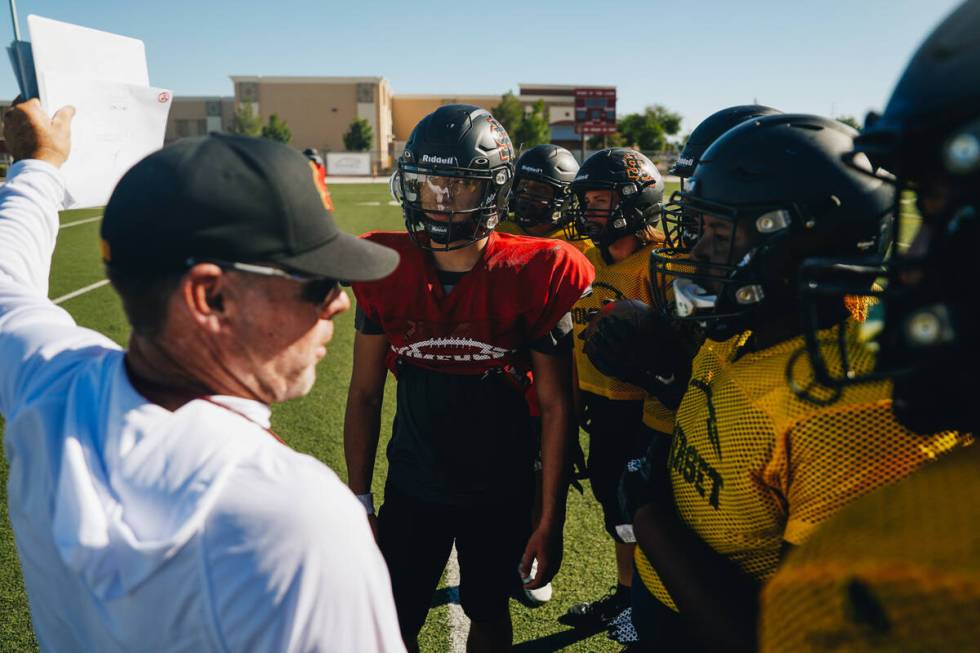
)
(201, 294)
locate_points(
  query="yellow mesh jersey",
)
(899, 570)
(509, 227)
(627, 279)
(657, 416)
(751, 464)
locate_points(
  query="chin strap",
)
(443, 233)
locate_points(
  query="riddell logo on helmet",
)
(685, 162)
(441, 160)
(530, 169)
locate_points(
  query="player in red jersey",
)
(319, 175)
(464, 320)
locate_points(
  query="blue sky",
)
(694, 57)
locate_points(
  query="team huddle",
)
(723, 348)
(772, 364)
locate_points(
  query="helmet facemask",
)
(921, 318)
(735, 265)
(604, 213)
(448, 209)
(536, 205)
(680, 226)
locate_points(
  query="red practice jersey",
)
(513, 297)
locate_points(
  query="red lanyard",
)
(243, 416)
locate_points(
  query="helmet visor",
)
(446, 195)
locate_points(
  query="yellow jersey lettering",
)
(689, 464)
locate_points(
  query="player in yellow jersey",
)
(634, 343)
(616, 204)
(899, 570)
(753, 468)
(541, 189)
(619, 345)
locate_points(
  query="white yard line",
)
(78, 222)
(80, 291)
(459, 624)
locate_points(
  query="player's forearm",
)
(556, 427)
(29, 204)
(710, 590)
(362, 428)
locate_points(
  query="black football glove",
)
(645, 479)
(634, 343)
(634, 488)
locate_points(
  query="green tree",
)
(669, 120)
(358, 138)
(277, 129)
(649, 130)
(533, 129)
(509, 113)
(245, 122)
(641, 130)
(850, 121)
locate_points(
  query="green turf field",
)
(314, 425)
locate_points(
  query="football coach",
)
(153, 507)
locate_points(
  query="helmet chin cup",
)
(690, 298)
(440, 235)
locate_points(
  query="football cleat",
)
(599, 613)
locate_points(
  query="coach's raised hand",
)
(31, 134)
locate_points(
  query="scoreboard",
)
(595, 110)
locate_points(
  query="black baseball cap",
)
(232, 198)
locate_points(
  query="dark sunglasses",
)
(315, 290)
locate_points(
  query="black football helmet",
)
(542, 178)
(781, 184)
(453, 177)
(677, 230)
(637, 189)
(925, 325)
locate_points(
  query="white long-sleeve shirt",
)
(142, 529)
